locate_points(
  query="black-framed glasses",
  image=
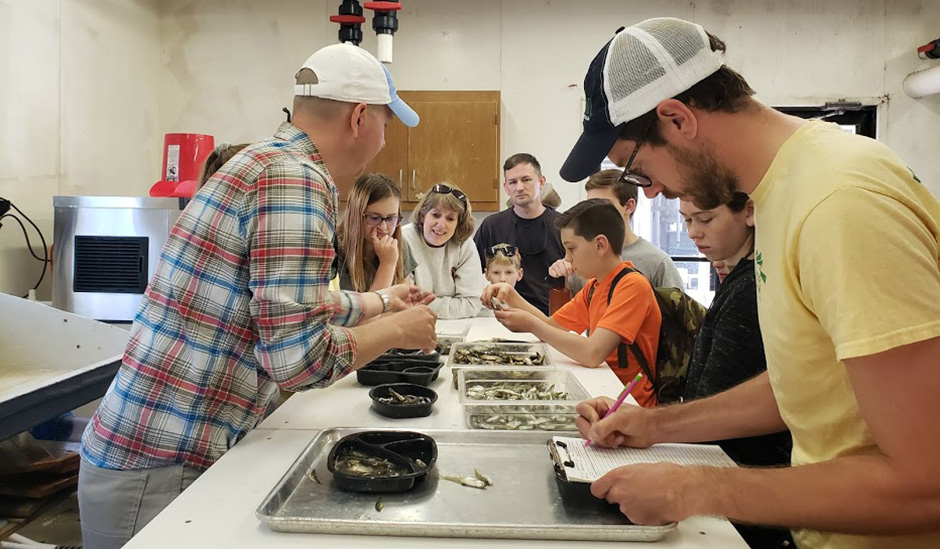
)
(629, 176)
(441, 188)
(505, 249)
(374, 220)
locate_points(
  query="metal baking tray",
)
(523, 503)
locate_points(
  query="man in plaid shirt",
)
(239, 304)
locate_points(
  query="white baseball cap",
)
(641, 66)
(350, 74)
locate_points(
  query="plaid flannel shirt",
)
(237, 307)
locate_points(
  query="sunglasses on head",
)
(441, 188)
(508, 251)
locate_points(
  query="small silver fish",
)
(486, 480)
(465, 481)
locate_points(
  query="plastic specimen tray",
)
(450, 332)
(504, 413)
(492, 353)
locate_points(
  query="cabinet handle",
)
(414, 174)
(399, 177)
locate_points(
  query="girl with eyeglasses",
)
(448, 261)
(371, 253)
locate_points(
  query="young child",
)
(592, 233)
(503, 264)
(448, 262)
(371, 255)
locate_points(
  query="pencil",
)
(623, 394)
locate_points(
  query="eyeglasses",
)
(630, 176)
(508, 251)
(441, 188)
(374, 220)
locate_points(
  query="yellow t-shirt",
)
(846, 260)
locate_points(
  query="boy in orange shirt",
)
(592, 233)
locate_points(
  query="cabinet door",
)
(457, 141)
(392, 160)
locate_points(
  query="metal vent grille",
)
(113, 264)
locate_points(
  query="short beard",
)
(708, 184)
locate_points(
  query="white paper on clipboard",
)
(589, 464)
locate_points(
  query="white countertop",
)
(218, 510)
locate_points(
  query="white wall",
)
(78, 112)
(799, 52)
(84, 107)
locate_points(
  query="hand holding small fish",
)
(517, 320)
(498, 294)
(416, 326)
(405, 296)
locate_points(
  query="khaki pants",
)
(115, 505)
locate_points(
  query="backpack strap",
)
(634, 347)
(590, 296)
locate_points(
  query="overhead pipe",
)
(922, 83)
(384, 23)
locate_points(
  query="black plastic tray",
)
(382, 372)
(399, 447)
(409, 355)
(401, 411)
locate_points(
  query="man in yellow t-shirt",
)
(848, 281)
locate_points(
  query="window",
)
(658, 220)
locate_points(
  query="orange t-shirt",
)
(633, 314)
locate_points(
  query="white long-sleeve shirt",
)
(452, 272)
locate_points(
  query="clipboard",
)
(573, 463)
(577, 495)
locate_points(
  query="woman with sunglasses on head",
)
(371, 255)
(448, 261)
(728, 348)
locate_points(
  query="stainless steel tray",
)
(523, 503)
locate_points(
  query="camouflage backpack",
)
(682, 318)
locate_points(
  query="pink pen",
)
(619, 401)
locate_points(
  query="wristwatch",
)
(386, 300)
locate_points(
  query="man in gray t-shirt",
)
(654, 263)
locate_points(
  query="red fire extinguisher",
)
(183, 156)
